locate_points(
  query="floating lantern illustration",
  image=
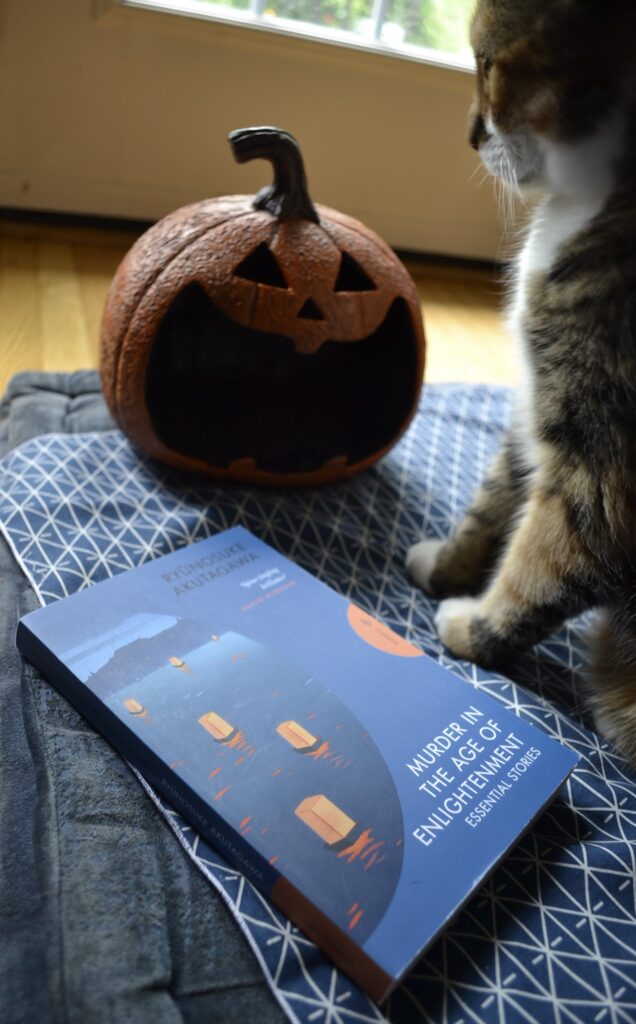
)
(298, 737)
(345, 837)
(135, 708)
(180, 664)
(304, 742)
(325, 819)
(229, 736)
(219, 729)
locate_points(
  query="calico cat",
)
(552, 530)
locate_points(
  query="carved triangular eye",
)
(310, 311)
(262, 267)
(351, 277)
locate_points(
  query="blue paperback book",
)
(356, 782)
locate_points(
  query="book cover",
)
(360, 785)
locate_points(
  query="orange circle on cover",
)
(377, 635)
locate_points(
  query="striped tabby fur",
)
(552, 530)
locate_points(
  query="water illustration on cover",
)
(280, 756)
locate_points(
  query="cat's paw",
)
(454, 623)
(605, 725)
(420, 562)
(618, 727)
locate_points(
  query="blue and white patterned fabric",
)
(551, 936)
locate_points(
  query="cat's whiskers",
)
(507, 188)
(481, 170)
(484, 177)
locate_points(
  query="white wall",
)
(124, 112)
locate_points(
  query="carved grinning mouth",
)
(221, 392)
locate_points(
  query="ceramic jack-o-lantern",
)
(263, 339)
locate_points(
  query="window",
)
(134, 99)
(421, 29)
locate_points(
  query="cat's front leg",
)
(545, 576)
(461, 564)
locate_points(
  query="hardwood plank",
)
(45, 230)
(20, 326)
(462, 308)
(95, 267)
(65, 340)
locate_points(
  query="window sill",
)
(191, 14)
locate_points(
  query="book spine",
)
(168, 783)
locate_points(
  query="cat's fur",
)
(552, 531)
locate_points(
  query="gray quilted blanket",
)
(102, 916)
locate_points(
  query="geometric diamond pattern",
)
(551, 935)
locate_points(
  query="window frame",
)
(252, 19)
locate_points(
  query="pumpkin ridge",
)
(321, 225)
(191, 241)
(152, 281)
(269, 241)
(346, 226)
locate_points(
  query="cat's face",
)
(507, 93)
(549, 75)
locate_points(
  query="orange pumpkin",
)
(263, 339)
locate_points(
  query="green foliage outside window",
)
(342, 14)
(435, 24)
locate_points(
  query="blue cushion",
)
(551, 935)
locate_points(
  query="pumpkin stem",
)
(287, 197)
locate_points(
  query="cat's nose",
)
(478, 132)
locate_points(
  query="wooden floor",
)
(53, 280)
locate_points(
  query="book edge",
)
(486, 874)
(152, 771)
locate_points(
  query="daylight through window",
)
(417, 28)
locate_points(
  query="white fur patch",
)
(420, 561)
(578, 179)
(605, 726)
(453, 618)
(586, 169)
